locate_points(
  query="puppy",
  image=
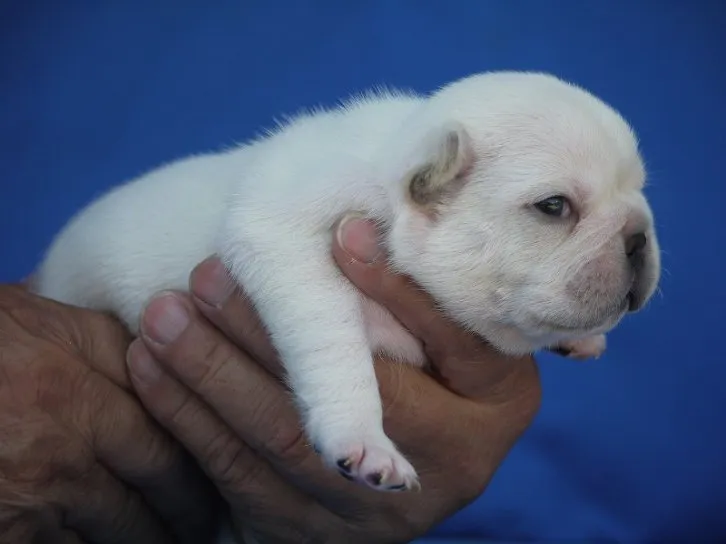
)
(514, 199)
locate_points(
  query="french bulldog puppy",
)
(514, 199)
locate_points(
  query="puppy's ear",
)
(448, 155)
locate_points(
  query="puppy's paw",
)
(373, 461)
(591, 347)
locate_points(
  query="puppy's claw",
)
(375, 478)
(564, 352)
(372, 461)
(378, 478)
(346, 476)
(345, 464)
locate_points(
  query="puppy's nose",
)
(634, 244)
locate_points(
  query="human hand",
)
(205, 369)
(80, 460)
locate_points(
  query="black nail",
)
(346, 475)
(401, 487)
(344, 464)
(375, 478)
(564, 352)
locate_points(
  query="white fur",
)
(491, 146)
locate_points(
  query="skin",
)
(205, 369)
(80, 460)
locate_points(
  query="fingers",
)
(104, 511)
(248, 399)
(465, 363)
(216, 297)
(140, 453)
(254, 405)
(97, 338)
(221, 375)
(102, 342)
(122, 436)
(42, 525)
(247, 482)
(358, 254)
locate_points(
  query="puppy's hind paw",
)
(591, 347)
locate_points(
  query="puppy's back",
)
(147, 235)
(141, 237)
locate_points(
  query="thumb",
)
(463, 362)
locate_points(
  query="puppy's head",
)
(523, 212)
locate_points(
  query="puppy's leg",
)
(315, 319)
(386, 336)
(584, 348)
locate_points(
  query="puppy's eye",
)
(555, 206)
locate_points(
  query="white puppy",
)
(515, 199)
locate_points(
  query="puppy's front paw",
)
(373, 461)
(584, 348)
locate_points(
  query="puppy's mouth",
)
(631, 301)
(636, 299)
(601, 322)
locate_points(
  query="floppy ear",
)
(448, 155)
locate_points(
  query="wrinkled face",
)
(559, 252)
(542, 234)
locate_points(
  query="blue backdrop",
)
(629, 448)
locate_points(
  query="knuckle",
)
(243, 476)
(230, 466)
(65, 390)
(42, 459)
(162, 457)
(214, 355)
(175, 410)
(279, 435)
(288, 445)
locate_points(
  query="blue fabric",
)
(629, 448)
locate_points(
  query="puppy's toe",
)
(585, 348)
(385, 469)
(372, 461)
(345, 458)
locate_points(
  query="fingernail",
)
(142, 365)
(211, 283)
(165, 318)
(358, 238)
